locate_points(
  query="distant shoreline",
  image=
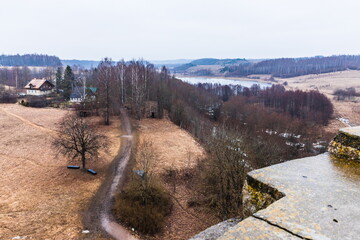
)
(262, 79)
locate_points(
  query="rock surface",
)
(216, 231)
(321, 201)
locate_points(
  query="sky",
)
(179, 29)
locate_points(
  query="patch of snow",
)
(301, 145)
(344, 120)
(285, 135)
(85, 231)
(319, 145)
(289, 135)
(270, 132)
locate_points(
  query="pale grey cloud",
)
(167, 29)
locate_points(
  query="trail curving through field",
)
(52, 132)
(99, 215)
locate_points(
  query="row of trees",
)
(29, 60)
(312, 106)
(128, 84)
(291, 67)
(18, 77)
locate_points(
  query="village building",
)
(39, 87)
(151, 109)
(79, 94)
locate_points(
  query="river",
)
(222, 81)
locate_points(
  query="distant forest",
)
(292, 67)
(29, 60)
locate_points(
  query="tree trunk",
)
(83, 160)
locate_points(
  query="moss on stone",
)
(258, 195)
(348, 140)
(341, 151)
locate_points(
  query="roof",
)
(37, 83)
(78, 92)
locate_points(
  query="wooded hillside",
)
(29, 60)
(291, 67)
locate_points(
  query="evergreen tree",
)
(58, 78)
(68, 82)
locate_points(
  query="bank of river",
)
(223, 81)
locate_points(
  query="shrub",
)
(142, 208)
(7, 97)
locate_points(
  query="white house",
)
(39, 87)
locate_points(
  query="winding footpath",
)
(99, 216)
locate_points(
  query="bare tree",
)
(78, 140)
(138, 87)
(225, 174)
(146, 157)
(120, 73)
(105, 82)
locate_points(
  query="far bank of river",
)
(223, 81)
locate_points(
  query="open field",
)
(177, 150)
(172, 144)
(40, 197)
(327, 83)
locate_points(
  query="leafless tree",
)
(78, 140)
(146, 156)
(138, 83)
(225, 174)
(120, 74)
(105, 82)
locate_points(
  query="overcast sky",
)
(169, 29)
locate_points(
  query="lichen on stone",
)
(345, 146)
(257, 196)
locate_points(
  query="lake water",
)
(222, 81)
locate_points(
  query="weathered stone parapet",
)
(346, 144)
(257, 195)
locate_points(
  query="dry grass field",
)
(40, 197)
(176, 150)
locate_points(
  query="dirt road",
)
(99, 218)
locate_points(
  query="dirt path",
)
(99, 216)
(29, 122)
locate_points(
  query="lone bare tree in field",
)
(78, 140)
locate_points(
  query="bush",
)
(35, 101)
(24, 103)
(7, 97)
(142, 208)
(348, 93)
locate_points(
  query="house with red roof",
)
(39, 87)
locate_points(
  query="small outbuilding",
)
(151, 109)
(79, 94)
